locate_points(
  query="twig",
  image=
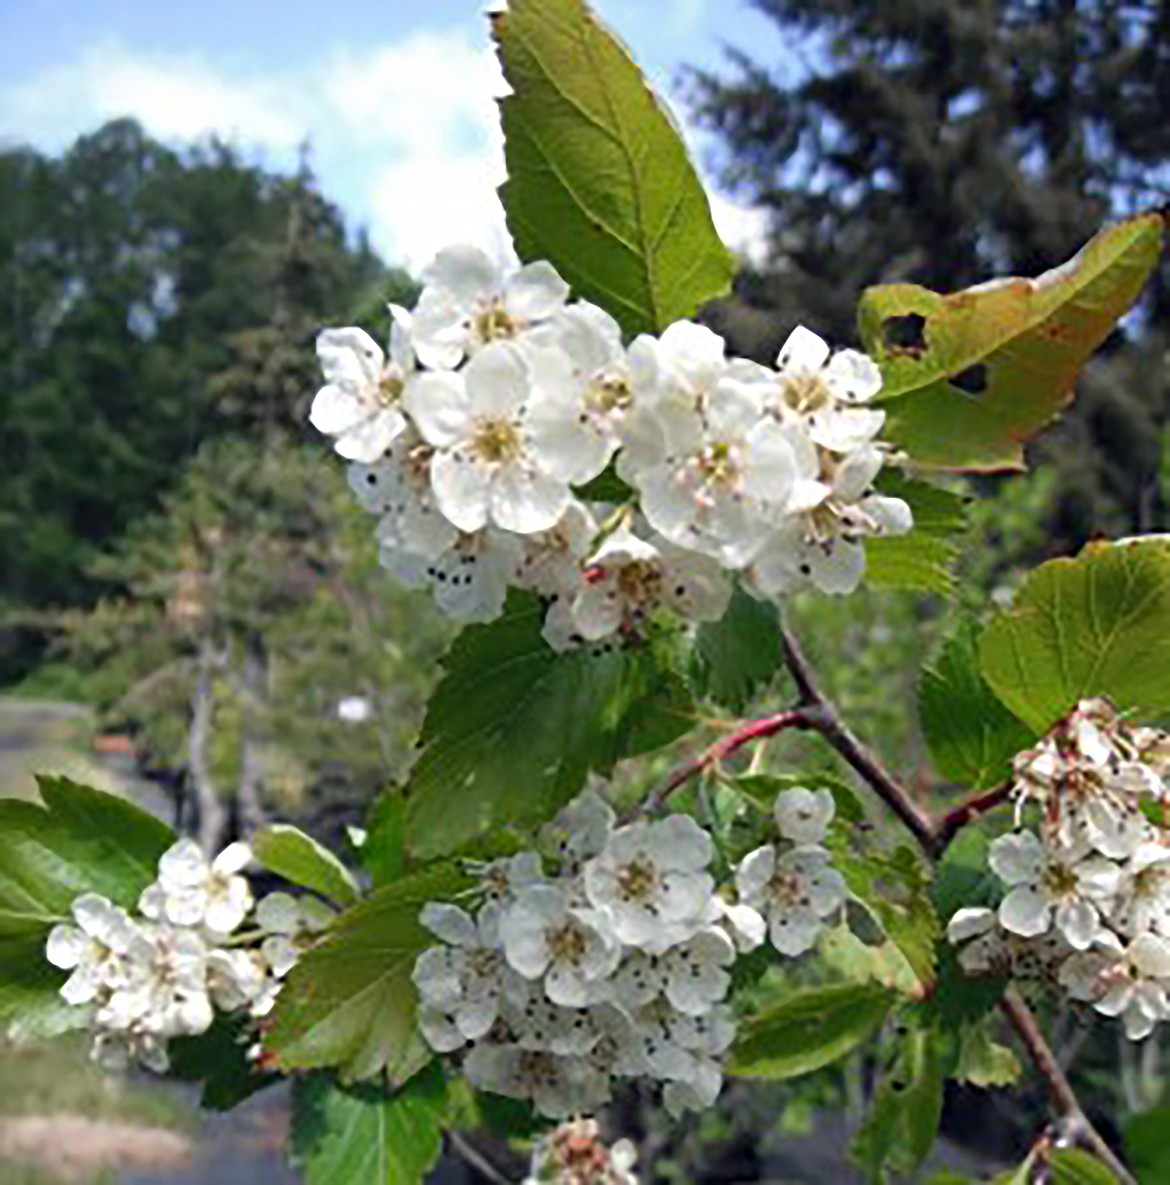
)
(951, 823)
(470, 1153)
(1075, 1122)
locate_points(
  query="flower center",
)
(638, 879)
(717, 463)
(496, 440)
(567, 944)
(1060, 880)
(785, 888)
(805, 393)
(639, 582)
(491, 323)
(390, 387)
(609, 394)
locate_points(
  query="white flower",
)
(830, 512)
(699, 1093)
(1047, 887)
(825, 395)
(463, 981)
(503, 880)
(289, 924)
(796, 892)
(1133, 987)
(467, 303)
(640, 979)
(803, 815)
(361, 403)
(726, 471)
(115, 1051)
(572, 950)
(539, 1024)
(1143, 901)
(98, 950)
(744, 925)
(653, 879)
(469, 581)
(696, 971)
(582, 828)
(551, 560)
(628, 580)
(236, 979)
(499, 457)
(191, 891)
(557, 1086)
(397, 488)
(167, 991)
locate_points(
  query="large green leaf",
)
(1147, 1144)
(302, 861)
(1093, 625)
(923, 560)
(599, 180)
(350, 1004)
(80, 841)
(360, 1135)
(736, 656)
(809, 1029)
(971, 735)
(907, 1107)
(971, 377)
(513, 728)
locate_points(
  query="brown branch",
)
(954, 820)
(1074, 1121)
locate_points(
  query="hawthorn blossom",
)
(803, 815)
(499, 458)
(572, 950)
(696, 972)
(1046, 888)
(796, 892)
(192, 891)
(468, 303)
(550, 561)
(1127, 982)
(99, 950)
(627, 580)
(575, 1154)
(653, 880)
(361, 403)
(558, 1086)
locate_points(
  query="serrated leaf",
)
(1075, 1166)
(301, 860)
(971, 377)
(808, 1029)
(972, 737)
(924, 559)
(599, 180)
(1147, 1144)
(359, 1135)
(350, 1004)
(1093, 625)
(736, 657)
(907, 1107)
(514, 728)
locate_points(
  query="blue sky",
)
(396, 96)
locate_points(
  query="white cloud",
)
(406, 135)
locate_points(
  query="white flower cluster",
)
(161, 974)
(498, 398)
(617, 964)
(575, 1154)
(1088, 891)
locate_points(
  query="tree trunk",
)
(209, 809)
(255, 685)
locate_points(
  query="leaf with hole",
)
(599, 180)
(970, 378)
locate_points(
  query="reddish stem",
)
(954, 820)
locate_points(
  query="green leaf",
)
(599, 180)
(80, 841)
(302, 861)
(972, 737)
(359, 1135)
(1093, 625)
(1147, 1144)
(605, 487)
(1074, 1166)
(984, 1062)
(809, 1029)
(31, 1007)
(970, 378)
(907, 1108)
(384, 852)
(514, 728)
(349, 1003)
(924, 559)
(736, 656)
